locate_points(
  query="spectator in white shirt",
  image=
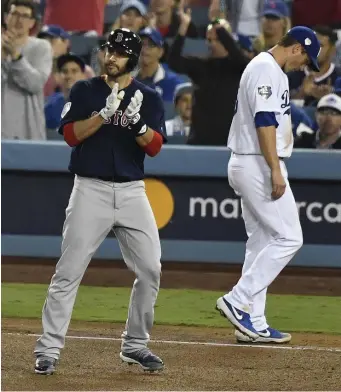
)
(180, 124)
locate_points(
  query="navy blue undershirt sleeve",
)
(265, 119)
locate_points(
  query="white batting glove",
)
(112, 103)
(132, 111)
(133, 116)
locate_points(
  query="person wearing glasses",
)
(152, 72)
(328, 118)
(26, 64)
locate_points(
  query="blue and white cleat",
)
(240, 319)
(268, 335)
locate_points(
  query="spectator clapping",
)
(26, 65)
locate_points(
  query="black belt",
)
(281, 158)
(113, 178)
(118, 179)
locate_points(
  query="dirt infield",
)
(93, 364)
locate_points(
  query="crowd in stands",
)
(193, 53)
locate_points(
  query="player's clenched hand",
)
(112, 103)
(278, 184)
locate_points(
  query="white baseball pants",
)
(273, 229)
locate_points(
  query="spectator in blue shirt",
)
(246, 45)
(299, 119)
(151, 71)
(71, 69)
(337, 86)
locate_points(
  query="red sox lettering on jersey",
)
(117, 119)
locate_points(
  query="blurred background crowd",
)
(193, 54)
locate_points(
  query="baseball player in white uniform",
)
(260, 139)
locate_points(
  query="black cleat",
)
(145, 358)
(45, 365)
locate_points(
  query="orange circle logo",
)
(161, 201)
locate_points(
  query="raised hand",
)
(132, 111)
(112, 103)
(185, 18)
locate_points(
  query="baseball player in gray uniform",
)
(111, 122)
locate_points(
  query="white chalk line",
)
(210, 344)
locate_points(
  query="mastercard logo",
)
(161, 200)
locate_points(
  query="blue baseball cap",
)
(153, 35)
(245, 42)
(140, 7)
(308, 39)
(53, 31)
(337, 85)
(276, 8)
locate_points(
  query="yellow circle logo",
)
(161, 201)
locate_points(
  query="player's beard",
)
(114, 71)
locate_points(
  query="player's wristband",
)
(103, 113)
(137, 125)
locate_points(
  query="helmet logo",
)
(119, 37)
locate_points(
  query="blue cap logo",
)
(308, 39)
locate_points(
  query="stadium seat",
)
(177, 139)
(193, 47)
(200, 16)
(169, 110)
(52, 134)
(83, 46)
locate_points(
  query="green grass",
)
(177, 307)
